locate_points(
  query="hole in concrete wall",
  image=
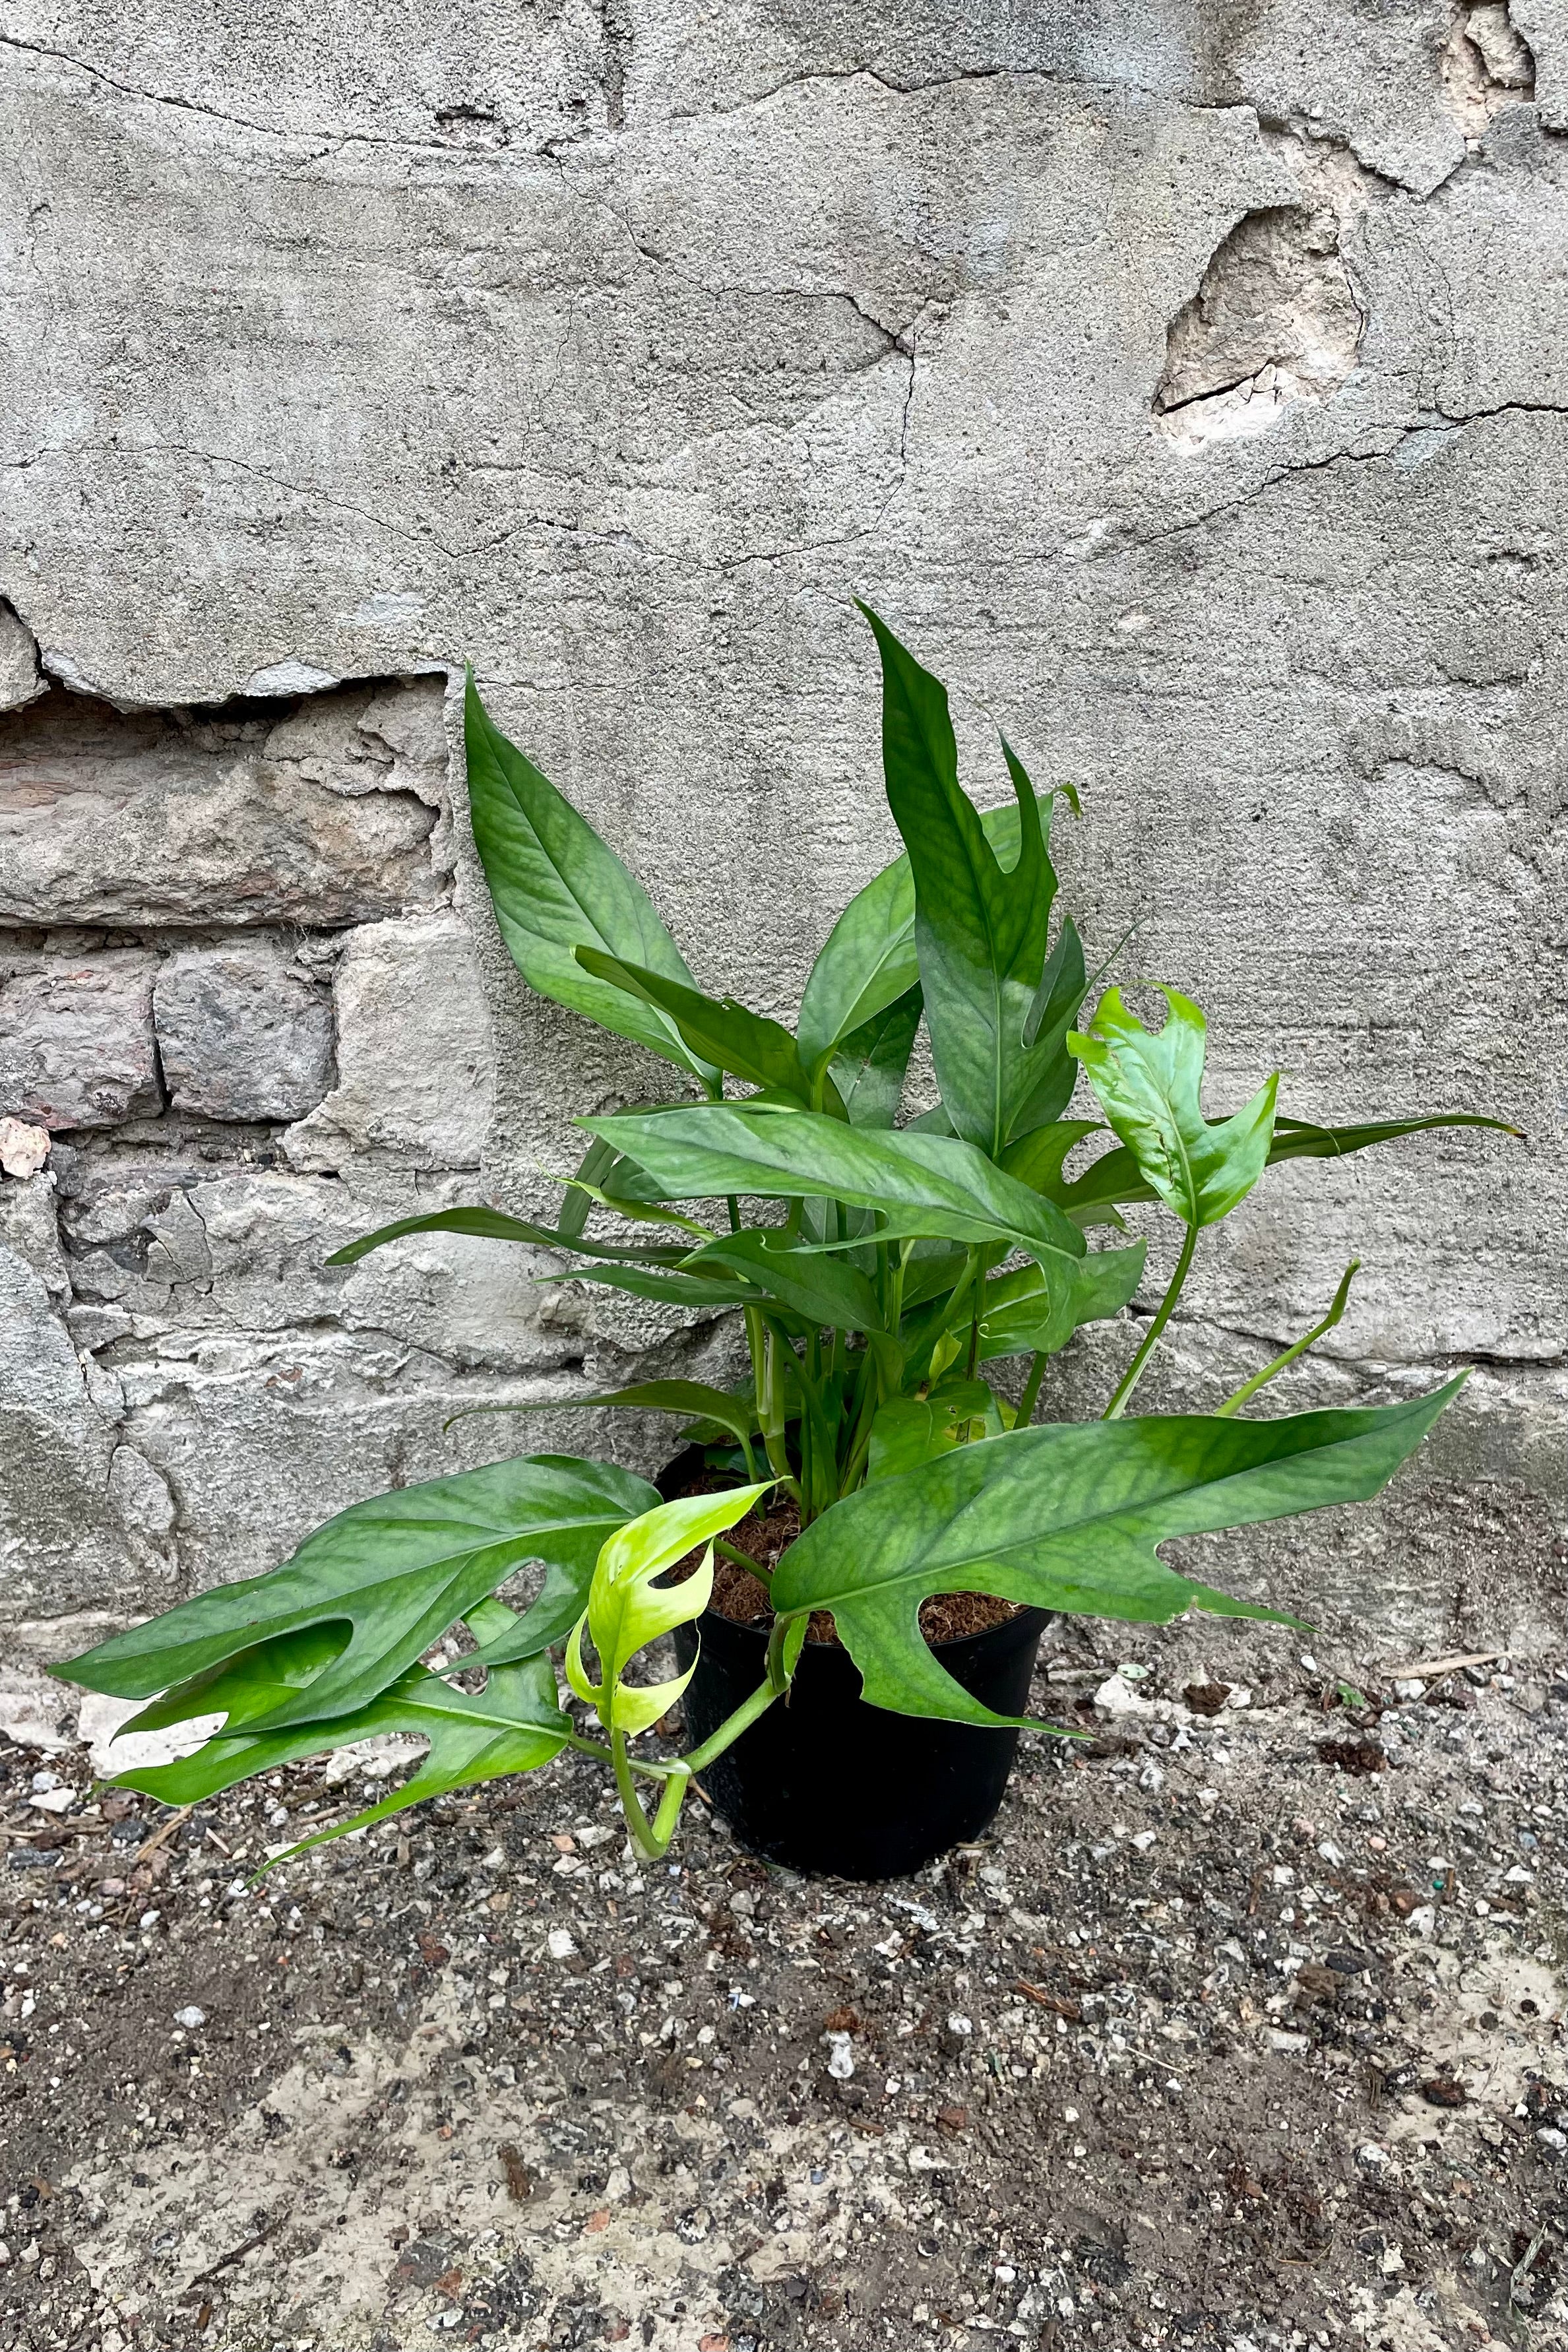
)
(1274, 320)
(321, 809)
(1486, 65)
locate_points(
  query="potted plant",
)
(888, 1527)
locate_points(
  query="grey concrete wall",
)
(1189, 383)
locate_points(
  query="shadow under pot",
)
(826, 1784)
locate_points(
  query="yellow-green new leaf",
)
(626, 1609)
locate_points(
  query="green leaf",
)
(824, 1289)
(1068, 1517)
(1036, 1159)
(494, 1226)
(908, 1431)
(920, 1184)
(1149, 1085)
(1298, 1348)
(626, 1609)
(1055, 1008)
(1019, 1316)
(397, 1571)
(1115, 1177)
(870, 1066)
(866, 964)
(556, 888)
(747, 1044)
(687, 1291)
(737, 1414)
(247, 1687)
(592, 1170)
(515, 1725)
(980, 930)
(868, 960)
(1300, 1138)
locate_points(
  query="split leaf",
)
(626, 1609)
(396, 1571)
(1069, 1517)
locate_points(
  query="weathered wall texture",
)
(1189, 382)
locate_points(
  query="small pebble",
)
(841, 2056)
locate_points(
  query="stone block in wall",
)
(75, 1039)
(414, 1067)
(242, 814)
(29, 1226)
(19, 678)
(243, 1032)
(66, 1542)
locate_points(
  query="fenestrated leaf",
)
(749, 1045)
(1020, 1315)
(980, 930)
(247, 1687)
(870, 1066)
(824, 1289)
(495, 1225)
(556, 888)
(920, 1184)
(1068, 1517)
(397, 1571)
(1149, 1084)
(514, 1725)
(626, 1609)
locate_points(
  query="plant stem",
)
(595, 1748)
(630, 1804)
(1249, 1389)
(1031, 1396)
(742, 1559)
(769, 1404)
(1135, 1370)
(669, 1810)
(744, 1716)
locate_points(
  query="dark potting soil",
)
(766, 1536)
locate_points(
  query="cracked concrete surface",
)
(616, 349)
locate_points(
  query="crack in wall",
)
(303, 134)
(1433, 420)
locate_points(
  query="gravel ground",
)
(1244, 2029)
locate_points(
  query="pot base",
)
(827, 1785)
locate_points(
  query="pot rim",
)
(757, 1628)
(1024, 1614)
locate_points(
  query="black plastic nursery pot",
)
(824, 1783)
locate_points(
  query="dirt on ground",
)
(1243, 2029)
